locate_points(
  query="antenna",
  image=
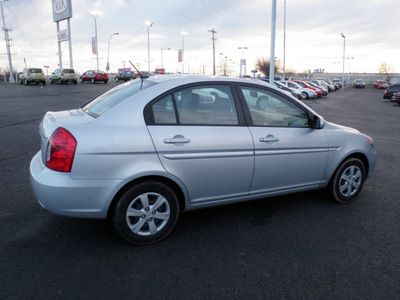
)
(140, 74)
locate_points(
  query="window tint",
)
(36, 71)
(107, 100)
(270, 109)
(206, 105)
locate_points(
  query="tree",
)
(386, 69)
(263, 64)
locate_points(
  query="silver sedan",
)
(148, 149)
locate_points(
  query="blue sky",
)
(313, 30)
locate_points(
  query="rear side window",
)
(104, 102)
(199, 105)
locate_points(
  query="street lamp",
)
(162, 64)
(95, 14)
(242, 62)
(344, 51)
(148, 24)
(183, 33)
(7, 39)
(108, 52)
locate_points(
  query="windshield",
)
(114, 96)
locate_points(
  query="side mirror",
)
(319, 122)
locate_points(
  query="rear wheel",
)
(60, 81)
(347, 181)
(146, 213)
(93, 81)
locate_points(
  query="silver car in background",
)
(150, 148)
(307, 93)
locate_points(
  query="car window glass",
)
(206, 105)
(271, 109)
(114, 96)
(163, 111)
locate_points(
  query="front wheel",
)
(305, 95)
(347, 181)
(146, 213)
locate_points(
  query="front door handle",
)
(178, 140)
(269, 139)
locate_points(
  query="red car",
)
(305, 85)
(380, 84)
(94, 76)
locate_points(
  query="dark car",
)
(359, 83)
(125, 76)
(337, 82)
(395, 98)
(94, 76)
(391, 89)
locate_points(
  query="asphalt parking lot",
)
(300, 246)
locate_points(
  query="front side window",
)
(199, 105)
(271, 109)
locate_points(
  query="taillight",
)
(62, 73)
(28, 73)
(60, 150)
(385, 92)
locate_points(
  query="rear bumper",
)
(60, 194)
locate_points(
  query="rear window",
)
(36, 71)
(69, 71)
(104, 102)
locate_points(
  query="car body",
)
(380, 84)
(125, 76)
(359, 83)
(63, 76)
(390, 90)
(329, 85)
(307, 93)
(295, 93)
(323, 88)
(94, 76)
(304, 84)
(150, 148)
(29, 75)
(337, 82)
(395, 97)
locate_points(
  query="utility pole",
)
(7, 39)
(213, 39)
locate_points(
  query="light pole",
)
(344, 51)
(108, 52)
(95, 14)
(183, 33)
(284, 40)
(148, 24)
(242, 62)
(162, 64)
(7, 39)
(273, 30)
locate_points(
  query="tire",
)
(105, 81)
(44, 82)
(81, 80)
(75, 81)
(60, 81)
(93, 81)
(150, 206)
(305, 95)
(116, 79)
(347, 181)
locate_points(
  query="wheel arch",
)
(168, 182)
(358, 155)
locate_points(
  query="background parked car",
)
(337, 82)
(29, 75)
(63, 76)
(323, 88)
(94, 76)
(359, 83)
(307, 93)
(329, 85)
(306, 85)
(295, 93)
(391, 89)
(380, 84)
(125, 76)
(395, 98)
